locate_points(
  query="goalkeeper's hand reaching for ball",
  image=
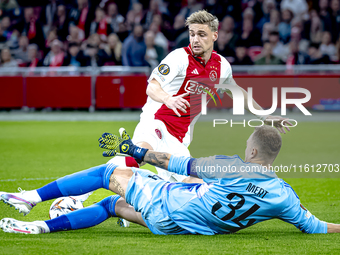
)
(123, 145)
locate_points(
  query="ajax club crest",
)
(213, 75)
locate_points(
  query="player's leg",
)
(119, 180)
(119, 161)
(86, 217)
(112, 206)
(172, 145)
(141, 138)
(144, 191)
(75, 184)
(121, 183)
(127, 212)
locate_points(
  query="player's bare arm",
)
(155, 91)
(159, 159)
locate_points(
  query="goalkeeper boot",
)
(21, 227)
(18, 200)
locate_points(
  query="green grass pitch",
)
(33, 153)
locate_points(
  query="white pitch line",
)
(29, 179)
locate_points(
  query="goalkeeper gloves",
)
(122, 144)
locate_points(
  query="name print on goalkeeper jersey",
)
(260, 192)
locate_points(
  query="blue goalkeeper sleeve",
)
(181, 165)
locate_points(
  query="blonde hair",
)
(203, 17)
(117, 49)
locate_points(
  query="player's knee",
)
(109, 204)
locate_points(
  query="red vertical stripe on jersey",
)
(198, 75)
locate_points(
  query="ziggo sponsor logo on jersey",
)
(194, 87)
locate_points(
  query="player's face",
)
(202, 39)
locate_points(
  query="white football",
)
(64, 205)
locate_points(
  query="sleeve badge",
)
(164, 69)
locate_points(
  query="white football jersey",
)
(180, 72)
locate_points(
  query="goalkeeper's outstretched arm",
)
(123, 144)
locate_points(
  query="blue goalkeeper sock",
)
(78, 183)
(86, 217)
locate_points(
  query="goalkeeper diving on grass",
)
(226, 201)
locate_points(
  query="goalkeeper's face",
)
(202, 39)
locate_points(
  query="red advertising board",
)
(114, 92)
(11, 92)
(59, 92)
(121, 91)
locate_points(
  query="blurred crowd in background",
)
(141, 33)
